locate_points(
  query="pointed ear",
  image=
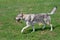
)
(21, 13)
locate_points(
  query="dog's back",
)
(41, 18)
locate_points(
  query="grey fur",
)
(31, 19)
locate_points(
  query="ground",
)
(10, 30)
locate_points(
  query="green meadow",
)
(10, 30)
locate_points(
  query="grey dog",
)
(31, 19)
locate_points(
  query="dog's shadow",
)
(40, 29)
(36, 29)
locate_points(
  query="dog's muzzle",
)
(17, 19)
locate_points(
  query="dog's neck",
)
(24, 16)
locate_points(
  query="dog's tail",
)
(53, 10)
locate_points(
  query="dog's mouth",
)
(18, 20)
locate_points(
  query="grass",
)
(10, 30)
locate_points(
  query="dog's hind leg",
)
(51, 27)
(43, 26)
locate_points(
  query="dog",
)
(31, 19)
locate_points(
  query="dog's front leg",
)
(27, 25)
(33, 28)
(24, 28)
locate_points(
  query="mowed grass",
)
(10, 30)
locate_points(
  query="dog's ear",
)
(21, 14)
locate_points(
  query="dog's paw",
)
(50, 30)
(21, 31)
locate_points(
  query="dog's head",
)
(19, 17)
